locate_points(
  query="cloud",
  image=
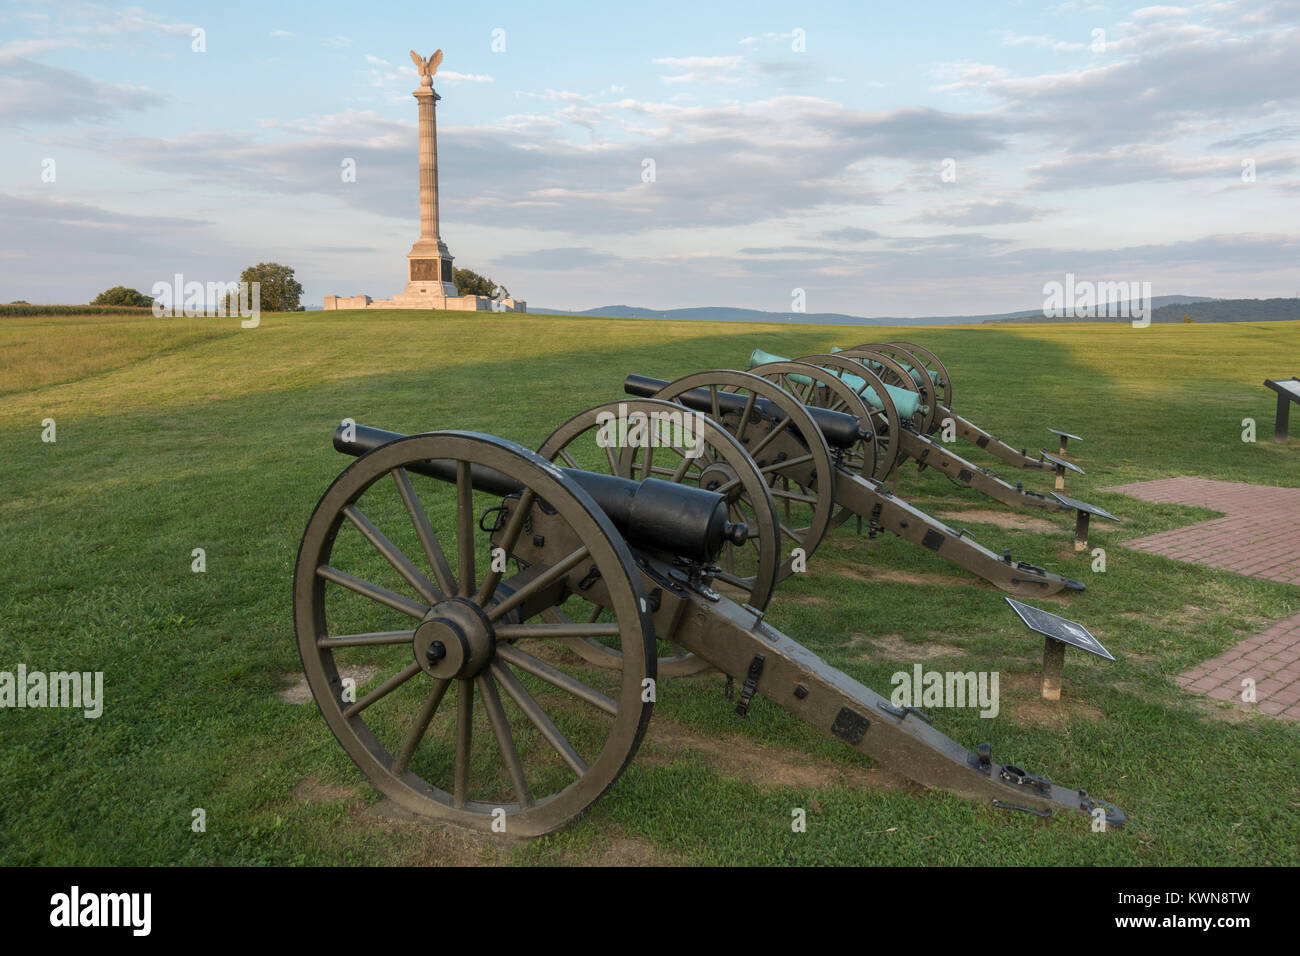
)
(848, 234)
(735, 163)
(1156, 76)
(110, 248)
(556, 258)
(988, 213)
(1274, 134)
(702, 69)
(1125, 165)
(1050, 43)
(451, 76)
(32, 92)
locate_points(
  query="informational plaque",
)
(1288, 386)
(1059, 629)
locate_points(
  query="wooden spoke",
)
(393, 555)
(508, 539)
(791, 533)
(373, 591)
(465, 527)
(556, 677)
(763, 442)
(421, 725)
(547, 632)
(544, 580)
(505, 739)
(384, 689)
(424, 531)
(794, 496)
(788, 463)
(735, 580)
(533, 711)
(464, 740)
(367, 640)
(682, 468)
(744, 416)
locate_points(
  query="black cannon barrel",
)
(839, 429)
(654, 514)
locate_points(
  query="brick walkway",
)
(1259, 535)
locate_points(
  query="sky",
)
(885, 159)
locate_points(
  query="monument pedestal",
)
(429, 268)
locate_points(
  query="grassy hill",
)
(177, 434)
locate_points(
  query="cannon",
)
(803, 451)
(905, 364)
(461, 568)
(900, 437)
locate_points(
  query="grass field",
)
(177, 434)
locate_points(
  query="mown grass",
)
(182, 433)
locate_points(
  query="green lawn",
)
(177, 434)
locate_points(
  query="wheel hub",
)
(455, 639)
(718, 474)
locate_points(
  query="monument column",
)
(429, 261)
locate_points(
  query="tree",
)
(280, 292)
(121, 295)
(1187, 319)
(469, 282)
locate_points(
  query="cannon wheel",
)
(907, 358)
(722, 465)
(891, 372)
(821, 388)
(807, 532)
(885, 421)
(931, 363)
(417, 747)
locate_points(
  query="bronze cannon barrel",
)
(653, 514)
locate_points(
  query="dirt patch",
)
(311, 790)
(768, 767)
(1022, 701)
(805, 600)
(428, 843)
(299, 693)
(624, 851)
(896, 648)
(905, 577)
(1002, 519)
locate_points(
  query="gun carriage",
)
(465, 568)
(809, 451)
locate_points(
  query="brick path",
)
(1259, 535)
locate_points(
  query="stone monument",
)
(429, 263)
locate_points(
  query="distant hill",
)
(726, 314)
(1199, 310)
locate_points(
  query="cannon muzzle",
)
(653, 514)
